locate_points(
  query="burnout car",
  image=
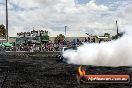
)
(60, 57)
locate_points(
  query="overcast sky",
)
(80, 16)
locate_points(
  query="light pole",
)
(65, 30)
(117, 28)
(6, 21)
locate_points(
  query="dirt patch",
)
(46, 73)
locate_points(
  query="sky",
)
(80, 16)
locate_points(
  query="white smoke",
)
(115, 53)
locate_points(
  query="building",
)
(32, 37)
(2, 40)
(91, 38)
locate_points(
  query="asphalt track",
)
(37, 72)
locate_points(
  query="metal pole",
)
(6, 21)
(65, 30)
(117, 27)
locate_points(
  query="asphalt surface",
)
(46, 73)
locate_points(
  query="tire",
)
(79, 79)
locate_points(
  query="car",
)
(60, 57)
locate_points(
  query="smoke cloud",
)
(114, 53)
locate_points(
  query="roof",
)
(103, 37)
(2, 39)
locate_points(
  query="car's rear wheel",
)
(79, 79)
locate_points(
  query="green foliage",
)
(2, 30)
(107, 34)
(60, 38)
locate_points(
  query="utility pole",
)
(117, 27)
(7, 21)
(65, 30)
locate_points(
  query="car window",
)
(72, 48)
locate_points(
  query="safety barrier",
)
(29, 54)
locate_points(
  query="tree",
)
(2, 31)
(59, 38)
(107, 34)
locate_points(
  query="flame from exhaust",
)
(81, 71)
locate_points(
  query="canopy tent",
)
(1, 45)
(7, 44)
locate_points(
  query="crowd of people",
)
(49, 46)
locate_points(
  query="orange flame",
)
(81, 71)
